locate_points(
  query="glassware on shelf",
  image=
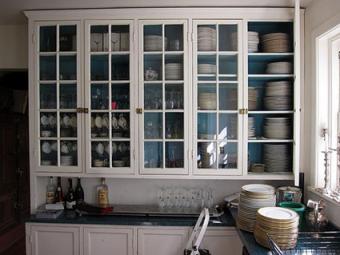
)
(227, 155)
(153, 155)
(68, 67)
(207, 155)
(68, 96)
(48, 68)
(68, 38)
(48, 96)
(100, 156)
(99, 40)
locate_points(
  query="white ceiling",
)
(11, 10)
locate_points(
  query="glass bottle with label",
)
(103, 194)
(50, 190)
(59, 195)
(70, 197)
(79, 193)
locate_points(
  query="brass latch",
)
(243, 111)
(82, 110)
(139, 110)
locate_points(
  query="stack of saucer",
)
(280, 224)
(253, 197)
(154, 42)
(276, 158)
(277, 128)
(278, 96)
(252, 98)
(283, 67)
(275, 42)
(251, 127)
(207, 101)
(253, 41)
(205, 68)
(206, 37)
(173, 71)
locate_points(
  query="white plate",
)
(259, 188)
(278, 213)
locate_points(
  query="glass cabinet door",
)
(59, 128)
(109, 93)
(163, 59)
(217, 97)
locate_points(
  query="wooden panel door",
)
(165, 241)
(108, 241)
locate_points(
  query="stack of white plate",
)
(280, 224)
(278, 89)
(276, 158)
(278, 96)
(252, 98)
(251, 127)
(206, 69)
(278, 103)
(207, 101)
(154, 42)
(253, 197)
(277, 128)
(279, 68)
(173, 71)
(206, 38)
(275, 42)
(253, 41)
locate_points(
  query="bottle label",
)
(103, 197)
(70, 205)
(49, 197)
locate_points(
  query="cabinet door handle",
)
(139, 110)
(82, 110)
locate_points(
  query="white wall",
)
(13, 47)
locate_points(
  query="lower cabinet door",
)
(108, 241)
(55, 240)
(222, 242)
(162, 241)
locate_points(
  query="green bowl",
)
(299, 208)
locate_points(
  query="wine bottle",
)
(103, 194)
(50, 192)
(79, 193)
(70, 199)
(59, 195)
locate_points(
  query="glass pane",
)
(99, 96)
(153, 99)
(68, 124)
(206, 97)
(48, 124)
(228, 65)
(174, 154)
(120, 69)
(253, 98)
(68, 153)
(174, 35)
(227, 37)
(120, 38)
(153, 40)
(277, 157)
(228, 155)
(153, 125)
(120, 96)
(68, 96)
(48, 96)
(174, 67)
(206, 64)
(174, 96)
(277, 127)
(68, 67)
(206, 155)
(228, 97)
(100, 154)
(120, 154)
(48, 68)
(99, 38)
(100, 125)
(228, 126)
(99, 67)
(153, 67)
(48, 38)
(206, 37)
(120, 125)
(68, 38)
(48, 153)
(206, 126)
(174, 125)
(153, 154)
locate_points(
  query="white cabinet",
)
(53, 240)
(220, 241)
(159, 240)
(99, 240)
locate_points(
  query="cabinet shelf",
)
(221, 53)
(270, 112)
(269, 76)
(265, 140)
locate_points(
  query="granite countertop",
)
(226, 220)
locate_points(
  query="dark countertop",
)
(226, 220)
(254, 248)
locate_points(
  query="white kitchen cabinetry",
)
(165, 241)
(222, 241)
(52, 239)
(99, 240)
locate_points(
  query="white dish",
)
(259, 188)
(278, 213)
